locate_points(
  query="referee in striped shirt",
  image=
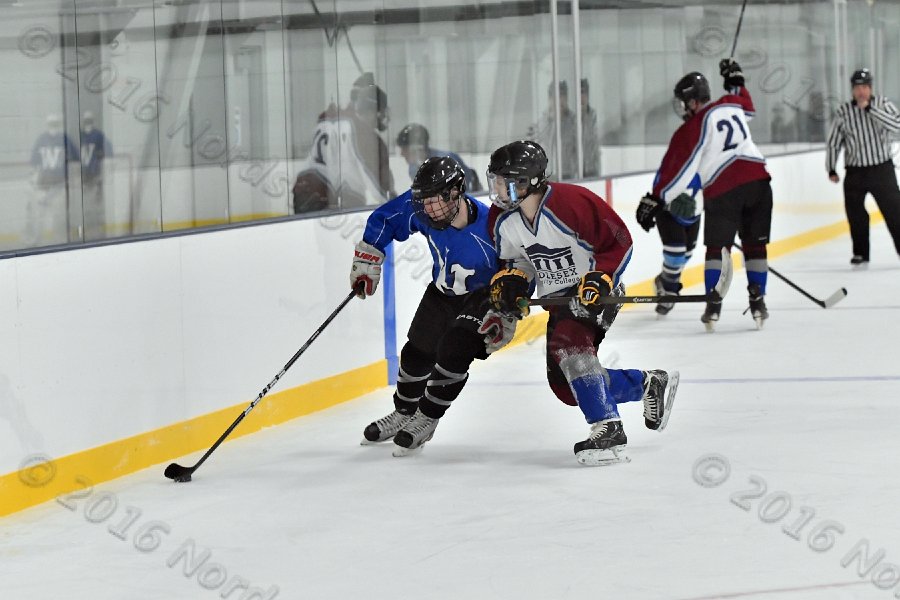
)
(863, 128)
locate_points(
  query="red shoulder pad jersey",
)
(716, 145)
(574, 232)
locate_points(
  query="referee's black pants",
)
(881, 182)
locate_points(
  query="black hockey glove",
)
(593, 286)
(647, 209)
(509, 288)
(683, 206)
(731, 71)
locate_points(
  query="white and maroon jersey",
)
(574, 231)
(714, 145)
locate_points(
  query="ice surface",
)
(496, 507)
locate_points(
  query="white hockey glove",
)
(366, 270)
(498, 330)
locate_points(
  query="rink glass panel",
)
(211, 108)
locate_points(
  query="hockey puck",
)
(183, 478)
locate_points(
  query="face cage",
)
(383, 118)
(514, 191)
(680, 108)
(445, 209)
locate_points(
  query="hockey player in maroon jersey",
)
(557, 239)
(714, 143)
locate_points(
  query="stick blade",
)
(725, 276)
(178, 473)
(835, 298)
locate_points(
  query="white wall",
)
(103, 343)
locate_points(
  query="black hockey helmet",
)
(518, 169)
(692, 86)
(372, 99)
(861, 77)
(443, 177)
(364, 80)
(413, 135)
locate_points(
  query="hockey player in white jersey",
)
(559, 239)
(714, 143)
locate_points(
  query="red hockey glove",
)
(366, 270)
(498, 330)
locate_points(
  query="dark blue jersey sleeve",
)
(393, 220)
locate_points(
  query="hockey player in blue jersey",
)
(456, 300)
(95, 149)
(50, 156)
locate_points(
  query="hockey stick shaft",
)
(174, 471)
(828, 302)
(561, 301)
(738, 30)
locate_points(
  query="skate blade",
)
(400, 451)
(710, 327)
(759, 322)
(365, 442)
(671, 390)
(594, 457)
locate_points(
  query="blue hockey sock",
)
(626, 385)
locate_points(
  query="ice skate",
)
(757, 305)
(663, 308)
(659, 397)
(711, 315)
(605, 445)
(384, 428)
(418, 430)
(858, 262)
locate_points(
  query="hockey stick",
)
(826, 303)
(738, 31)
(179, 473)
(716, 295)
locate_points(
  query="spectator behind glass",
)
(413, 142)
(95, 148)
(46, 211)
(348, 163)
(544, 132)
(590, 134)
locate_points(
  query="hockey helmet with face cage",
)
(440, 183)
(693, 86)
(516, 171)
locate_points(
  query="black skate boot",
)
(415, 432)
(664, 308)
(659, 397)
(711, 315)
(384, 428)
(605, 445)
(859, 262)
(757, 305)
